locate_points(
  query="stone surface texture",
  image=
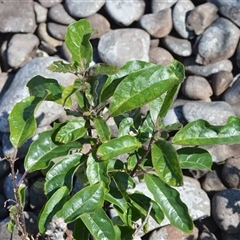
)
(203, 35)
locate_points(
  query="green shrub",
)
(103, 92)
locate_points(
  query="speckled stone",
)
(216, 113)
(218, 42)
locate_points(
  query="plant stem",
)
(19, 217)
(140, 160)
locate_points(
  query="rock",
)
(56, 229)
(5, 234)
(154, 42)
(3, 209)
(228, 236)
(229, 9)
(232, 94)
(82, 8)
(193, 68)
(31, 220)
(198, 173)
(216, 113)
(238, 55)
(180, 10)
(5, 81)
(158, 24)
(170, 232)
(191, 194)
(41, 12)
(65, 52)
(198, 88)
(4, 166)
(5, 66)
(21, 49)
(211, 183)
(160, 56)
(218, 42)
(181, 47)
(37, 197)
(44, 36)
(207, 235)
(236, 109)
(48, 111)
(100, 23)
(231, 173)
(160, 5)
(125, 12)
(170, 118)
(119, 46)
(58, 14)
(221, 153)
(49, 3)
(17, 17)
(56, 30)
(225, 210)
(221, 81)
(202, 17)
(8, 187)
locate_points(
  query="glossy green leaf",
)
(45, 88)
(125, 126)
(147, 126)
(166, 164)
(120, 204)
(123, 181)
(85, 201)
(142, 87)
(132, 161)
(200, 132)
(100, 225)
(118, 146)
(53, 205)
(102, 128)
(77, 41)
(60, 66)
(62, 172)
(144, 203)
(103, 69)
(67, 93)
(71, 131)
(169, 200)
(126, 232)
(22, 122)
(44, 149)
(80, 231)
(160, 106)
(22, 194)
(113, 81)
(97, 170)
(194, 158)
(115, 165)
(115, 197)
(10, 226)
(79, 99)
